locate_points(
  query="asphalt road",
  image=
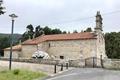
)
(87, 74)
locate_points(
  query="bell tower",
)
(98, 27)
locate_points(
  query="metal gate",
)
(93, 62)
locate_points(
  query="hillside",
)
(16, 37)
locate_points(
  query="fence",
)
(93, 62)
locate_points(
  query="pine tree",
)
(38, 31)
(29, 34)
(88, 29)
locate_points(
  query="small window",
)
(61, 57)
(49, 44)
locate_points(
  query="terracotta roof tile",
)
(14, 48)
(82, 35)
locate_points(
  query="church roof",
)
(58, 37)
(14, 48)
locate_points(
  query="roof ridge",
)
(81, 35)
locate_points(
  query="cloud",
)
(110, 3)
(46, 12)
(49, 4)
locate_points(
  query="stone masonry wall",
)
(111, 63)
(15, 54)
(100, 45)
(43, 46)
(28, 50)
(72, 49)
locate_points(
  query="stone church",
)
(68, 46)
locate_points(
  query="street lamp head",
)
(13, 16)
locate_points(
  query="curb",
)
(44, 78)
(60, 72)
(52, 75)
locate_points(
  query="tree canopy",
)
(38, 31)
(89, 29)
(75, 31)
(30, 33)
(47, 30)
(1, 8)
(112, 44)
(4, 42)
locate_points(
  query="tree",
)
(38, 31)
(75, 31)
(30, 31)
(1, 8)
(64, 32)
(4, 42)
(56, 31)
(68, 32)
(112, 44)
(29, 34)
(88, 29)
(30, 28)
(47, 30)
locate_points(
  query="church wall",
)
(28, 50)
(101, 46)
(43, 46)
(15, 54)
(72, 49)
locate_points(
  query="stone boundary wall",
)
(71, 63)
(107, 63)
(111, 63)
(37, 61)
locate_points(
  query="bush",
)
(16, 71)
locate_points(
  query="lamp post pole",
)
(11, 39)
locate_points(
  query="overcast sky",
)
(66, 15)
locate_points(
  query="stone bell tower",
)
(100, 43)
(98, 27)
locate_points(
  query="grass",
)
(20, 75)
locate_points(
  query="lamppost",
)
(13, 16)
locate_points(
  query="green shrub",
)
(16, 71)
